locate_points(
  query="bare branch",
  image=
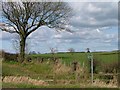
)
(10, 25)
(4, 29)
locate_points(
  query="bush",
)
(9, 57)
(110, 67)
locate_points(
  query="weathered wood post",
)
(90, 58)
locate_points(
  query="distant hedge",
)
(8, 56)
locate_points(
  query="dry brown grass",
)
(60, 68)
(100, 83)
(23, 79)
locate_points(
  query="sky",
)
(95, 26)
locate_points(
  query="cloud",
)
(85, 36)
(95, 15)
(54, 39)
(7, 36)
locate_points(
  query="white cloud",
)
(94, 15)
(7, 36)
(91, 8)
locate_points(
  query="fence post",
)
(90, 57)
(92, 69)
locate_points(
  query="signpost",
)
(90, 57)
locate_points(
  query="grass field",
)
(82, 57)
(45, 71)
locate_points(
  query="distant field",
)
(107, 57)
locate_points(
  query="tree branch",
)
(4, 29)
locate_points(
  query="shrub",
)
(9, 57)
(110, 67)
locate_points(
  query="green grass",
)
(82, 57)
(107, 57)
(87, 87)
(31, 69)
(13, 85)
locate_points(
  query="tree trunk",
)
(22, 49)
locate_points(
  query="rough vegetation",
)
(63, 70)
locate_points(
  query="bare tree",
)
(71, 50)
(27, 17)
(53, 50)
